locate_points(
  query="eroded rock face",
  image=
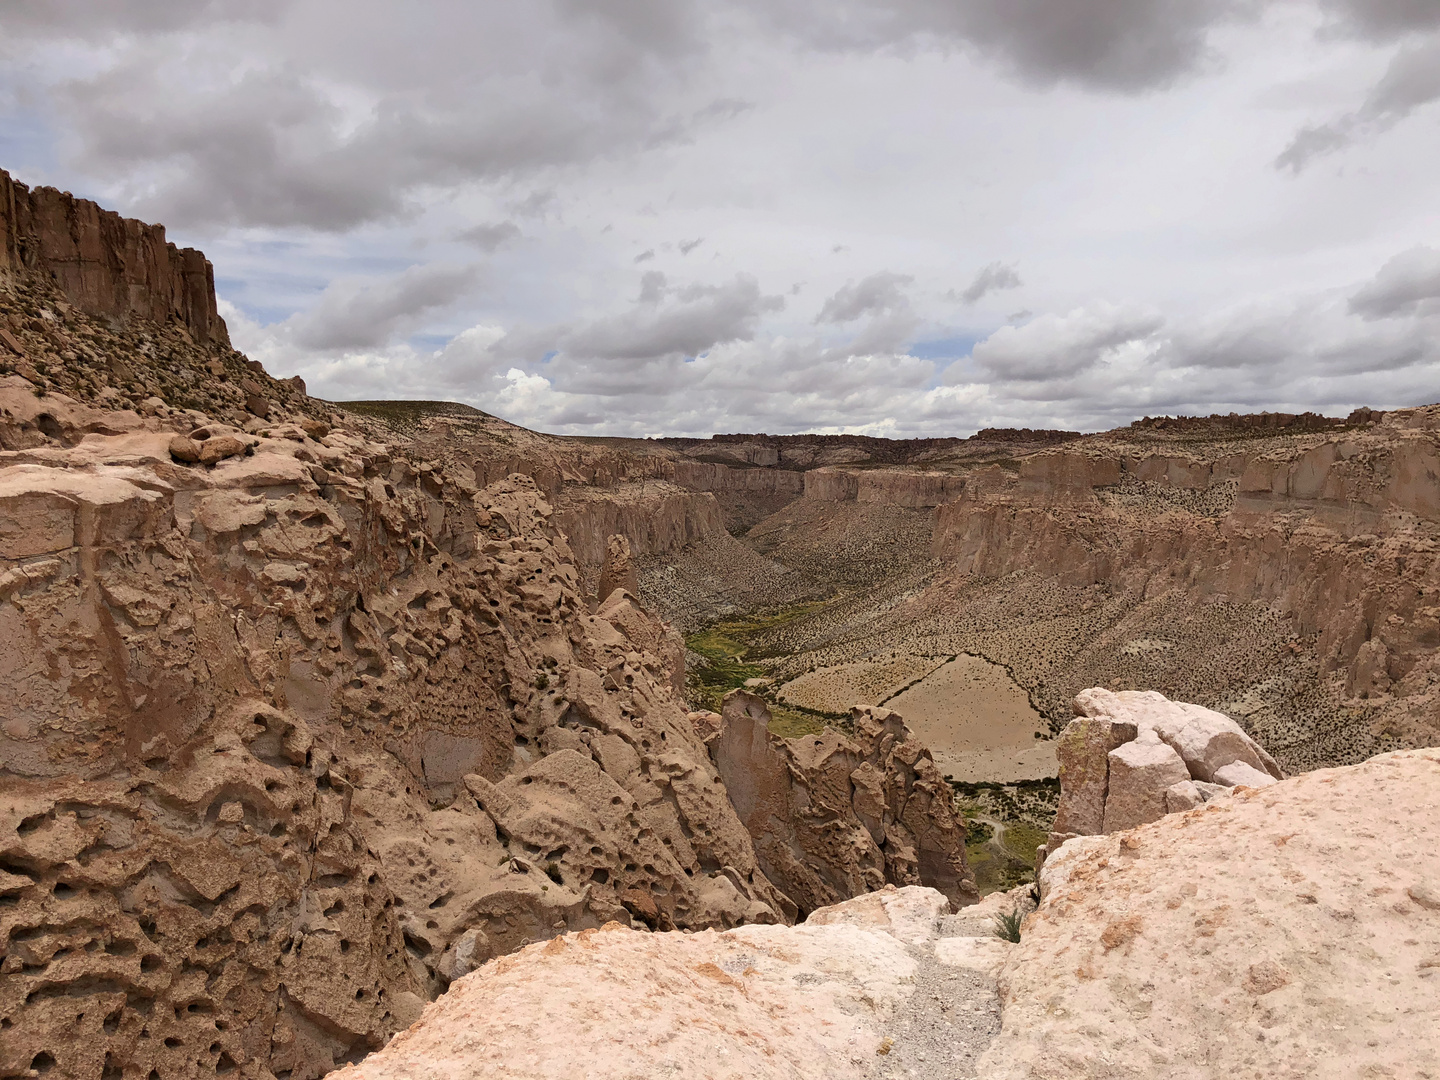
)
(295, 737)
(833, 816)
(1223, 942)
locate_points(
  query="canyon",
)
(315, 711)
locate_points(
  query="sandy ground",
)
(839, 689)
(977, 723)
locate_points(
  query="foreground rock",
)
(873, 984)
(1290, 931)
(1134, 756)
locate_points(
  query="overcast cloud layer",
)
(911, 217)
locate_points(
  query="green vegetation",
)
(1004, 824)
(1021, 840)
(726, 648)
(1007, 925)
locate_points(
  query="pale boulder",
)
(1209, 741)
(1238, 773)
(1268, 934)
(1182, 796)
(1140, 773)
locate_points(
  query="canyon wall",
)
(1337, 532)
(106, 264)
(886, 487)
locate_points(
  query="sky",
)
(676, 217)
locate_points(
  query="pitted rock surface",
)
(1276, 932)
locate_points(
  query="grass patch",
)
(728, 663)
(1021, 840)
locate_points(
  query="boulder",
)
(1182, 796)
(1238, 772)
(1275, 939)
(1140, 773)
(1083, 749)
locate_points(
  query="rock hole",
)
(42, 1062)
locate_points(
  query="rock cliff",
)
(106, 264)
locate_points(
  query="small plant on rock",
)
(1007, 925)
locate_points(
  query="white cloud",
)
(584, 216)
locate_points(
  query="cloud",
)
(1061, 346)
(644, 256)
(1113, 45)
(1407, 285)
(358, 313)
(101, 19)
(687, 246)
(877, 294)
(992, 278)
(1410, 82)
(1383, 20)
(490, 237)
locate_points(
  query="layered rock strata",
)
(1334, 530)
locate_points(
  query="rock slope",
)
(877, 985)
(1289, 931)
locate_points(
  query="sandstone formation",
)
(880, 981)
(106, 264)
(1132, 757)
(835, 816)
(1288, 931)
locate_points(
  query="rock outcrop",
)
(303, 722)
(833, 816)
(1289, 931)
(106, 264)
(294, 738)
(882, 979)
(1132, 757)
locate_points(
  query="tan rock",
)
(1238, 773)
(1182, 796)
(185, 450)
(1083, 749)
(761, 1002)
(1251, 955)
(219, 447)
(1140, 773)
(618, 571)
(833, 817)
